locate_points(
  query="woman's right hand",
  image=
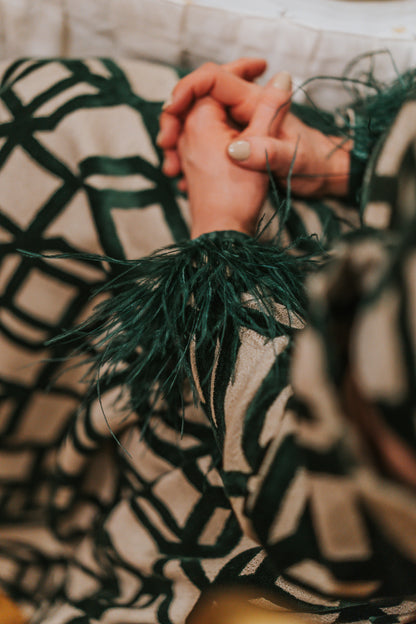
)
(317, 165)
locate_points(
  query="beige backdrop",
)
(305, 37)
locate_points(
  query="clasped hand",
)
(222, 132)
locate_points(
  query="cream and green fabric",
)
(108, 518)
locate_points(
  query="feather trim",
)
(204, 290)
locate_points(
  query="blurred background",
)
(304, 37)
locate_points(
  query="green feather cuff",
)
(372, 117)
(204, 290)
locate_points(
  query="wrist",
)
(336, 182)
(220, 224)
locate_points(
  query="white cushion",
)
(305, 37)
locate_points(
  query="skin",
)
(321, 165)
(222, 195)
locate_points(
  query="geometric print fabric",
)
(63, 185)
(92, 531)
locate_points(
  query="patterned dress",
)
(268, 481)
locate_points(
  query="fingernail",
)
(239, 150)
(167, 103)
(283, 81)
(159, 137)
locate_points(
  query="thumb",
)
(273, 105)
(262, 153)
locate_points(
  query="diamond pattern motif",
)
(93, 532)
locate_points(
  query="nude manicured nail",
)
(167, 103)
(283, 81)
(239, 150)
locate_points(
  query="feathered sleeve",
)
(296, 465)
(218, 313)
(199, 294)
(367, 120)
(221, 312)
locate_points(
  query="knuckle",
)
(196, 117)
(209, 67)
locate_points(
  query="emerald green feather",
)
(142, 334)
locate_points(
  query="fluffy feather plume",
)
(196, 290)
